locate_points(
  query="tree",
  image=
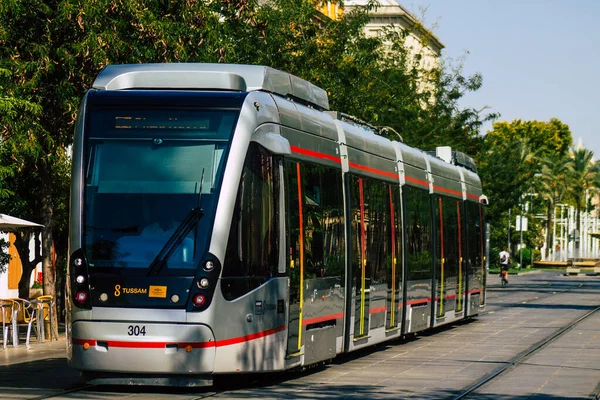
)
(552, 137)
(583, 177)
(511, 156)
(504, 168)
(553, 185)
(376, 79)
(54, 50)
(14, 126)
(4, 256)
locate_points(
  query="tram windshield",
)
(145, 173)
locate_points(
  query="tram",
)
(224, 220)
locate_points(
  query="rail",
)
(523, 355)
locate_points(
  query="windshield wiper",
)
(175, 240)
(190, 221)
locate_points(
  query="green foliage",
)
(51, 51)
(546, 138)
(4, 256)
(37, 285)
(584, 175)
(528, 255)
(56, 50)
(516, 160)
(556, 177)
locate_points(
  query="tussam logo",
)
(126, 290)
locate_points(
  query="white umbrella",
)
(8, 223)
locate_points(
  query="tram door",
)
(295, 237)
(461, 288)
(475, 257)
(394, 271)
(449, 282)
(316, 251)
(376, 252)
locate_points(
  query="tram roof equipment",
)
(445, 153)
(196, 76)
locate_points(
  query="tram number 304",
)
(136, 330)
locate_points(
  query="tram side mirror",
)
(271, 140)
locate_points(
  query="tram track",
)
(64, 392)
(262, 380)
(88, 390)
(213, 391)
(519, 358)
(528, 300)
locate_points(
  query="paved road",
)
(432, 366)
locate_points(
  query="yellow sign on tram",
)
(158, 291)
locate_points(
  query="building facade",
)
(421, 41)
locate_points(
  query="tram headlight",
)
(79, 291)
(81, 297)
(209, 265)
(199, 300)
(203, 283)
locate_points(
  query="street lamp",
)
(521, 241)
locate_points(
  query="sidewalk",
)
(36, 351)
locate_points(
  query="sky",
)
(539, 59)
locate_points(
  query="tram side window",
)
(474, 236)
(332, 222)
(252, 251)
(373, 197)
(418, 233)
(321, 208)
(450, 221)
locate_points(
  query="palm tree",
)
(553, 184)
(584, 176)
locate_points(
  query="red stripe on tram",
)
(338, 160)
(378, 310)
(142, 345)
(417, 181)
(315, 154)
(449, 297)
(324, 318)
(373, 170)
(247, 338)
(196, 345)
(442, 189)
(417, 301)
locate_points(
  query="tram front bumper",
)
(142, 348)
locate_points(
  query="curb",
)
(528, 272)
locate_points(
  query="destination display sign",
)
(161, 122)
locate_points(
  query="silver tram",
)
(224, 221)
